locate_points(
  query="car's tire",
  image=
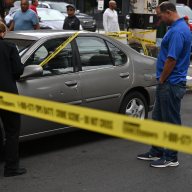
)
(1, 145)
(135, 105)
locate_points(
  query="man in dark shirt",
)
(11, 69)
(71, 22)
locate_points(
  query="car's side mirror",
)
(32, 71)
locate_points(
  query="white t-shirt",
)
(110, 21)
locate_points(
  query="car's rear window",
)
(22, 44)
(59, 6)
(50, 15)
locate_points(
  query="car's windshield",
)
(21, 44)
(50, 15)
(184, 11)
(59, 6)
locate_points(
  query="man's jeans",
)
(167, 109)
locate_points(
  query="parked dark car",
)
(87, 21)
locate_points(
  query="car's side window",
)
(40, 54)
(119, 57)
(60, 64)
(93, 53)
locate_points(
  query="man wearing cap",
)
(71, 22)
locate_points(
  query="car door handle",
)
(71, 83)
(124, 75)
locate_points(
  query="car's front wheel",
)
(1, 145)
(135, 105)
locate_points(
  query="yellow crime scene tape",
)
(144, 131)
(144, 40)
(59, 49)
(145, 50)
(146, 31)
(119, 33)
(130, 35)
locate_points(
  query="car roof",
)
(38, 34)
(48, 10)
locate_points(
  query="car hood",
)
(52, 24)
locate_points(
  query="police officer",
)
(10, 70)
(71, 22)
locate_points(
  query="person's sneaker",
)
(148, 157)
(161, 163)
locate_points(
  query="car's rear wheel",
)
(135, 105)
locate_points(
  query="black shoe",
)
(148, 157)
(161, 163)
(14, 172)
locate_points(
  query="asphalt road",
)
(81, 161)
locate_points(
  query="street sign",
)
(100, 5)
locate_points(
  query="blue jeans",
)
(167, 109)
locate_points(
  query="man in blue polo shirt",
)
(24, 19)
(172, 66)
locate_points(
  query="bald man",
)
(24, 19)
(110, 18)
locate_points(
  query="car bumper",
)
(152, 91)
(89, 28)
